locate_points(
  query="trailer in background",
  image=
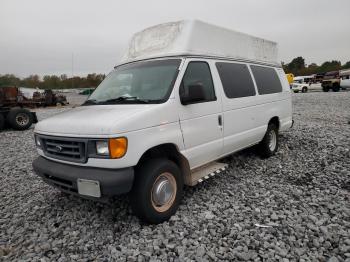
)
(12, 111)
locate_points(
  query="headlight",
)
(113, 147)
(102, 147)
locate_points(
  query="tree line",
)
(52, 81)
(298, 67)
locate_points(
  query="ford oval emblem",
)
(58, 148)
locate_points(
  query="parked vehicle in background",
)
(12, 113)
(308, 79)
(49, 98)
(344, 78)
(165, 115)
(305, 83)
(331, 81)
(299, 85)
(319, 77)
(87, 91)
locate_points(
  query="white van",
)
(186, 94)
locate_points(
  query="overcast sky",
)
(40, 36)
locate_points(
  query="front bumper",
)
(112, 181)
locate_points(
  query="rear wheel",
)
(269, 145)
(19, 118)
(304, 90)
(335, 88)
(2, 122)
(157, 190)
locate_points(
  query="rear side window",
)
(235, 79)
(198, 73)
(266, 80)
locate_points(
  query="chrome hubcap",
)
(163, 192)
(22, 119)
(273, 140)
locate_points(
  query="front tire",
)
(19, 118)
(269, 145)
(157, 190)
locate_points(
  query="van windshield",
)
(146, 82)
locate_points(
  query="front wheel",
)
(157, 190)
(269, 145)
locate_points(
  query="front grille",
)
(68, 149)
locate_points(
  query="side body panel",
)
(246, 118)
(240, 120)
(200, 126)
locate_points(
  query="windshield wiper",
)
(124, 98)
(90, 102)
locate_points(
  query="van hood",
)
(105, 120)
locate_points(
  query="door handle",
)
(220, 120)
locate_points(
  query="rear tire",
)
(19, 118)
(269, 145)
(304, 90)
(157, 190)
(335, 88)
(2, 122)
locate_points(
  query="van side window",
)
(266, 80)
(198, 73)
(236, 80)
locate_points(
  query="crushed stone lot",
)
(294, 206)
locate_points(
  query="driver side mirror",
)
(195, 94)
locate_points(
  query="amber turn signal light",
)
(117, 147)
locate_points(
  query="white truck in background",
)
(299, 84)
(186, 94)
(305, 83)
(344, 78)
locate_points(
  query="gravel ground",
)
(292, 206)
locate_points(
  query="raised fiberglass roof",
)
(196, 38)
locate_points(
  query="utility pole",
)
(72, 70)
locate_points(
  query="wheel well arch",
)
(171, 152)
(275, 120)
